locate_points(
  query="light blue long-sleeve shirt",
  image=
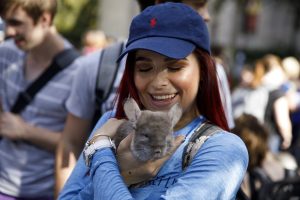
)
(216, 172)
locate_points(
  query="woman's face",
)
(162, 82)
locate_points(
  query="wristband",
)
(94, 144)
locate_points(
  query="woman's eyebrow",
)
(142, 58)
(167, 59)
(174, 60)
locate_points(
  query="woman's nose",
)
(161, 79)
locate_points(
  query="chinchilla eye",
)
(146, 135)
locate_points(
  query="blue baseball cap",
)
(171, 29)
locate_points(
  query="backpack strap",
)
(107, 71)
(200, 135)
(60, 62)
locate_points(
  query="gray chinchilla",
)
(153, 130)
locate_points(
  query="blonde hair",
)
(291, 67)
(95, 38)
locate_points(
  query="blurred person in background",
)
(85, 109)
(245, 96)
(291, 67)
(291, 86)
(243, 88)
(255, 136)
(29, 138)
(277, 113)
(93, 40)
(74, 137)
(267, 102)
(272, 167)
(264, 166)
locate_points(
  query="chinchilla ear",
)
(132, 109)
(175, 114)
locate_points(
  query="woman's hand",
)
(135, 171)
(110, 127)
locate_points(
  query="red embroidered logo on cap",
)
(153, 22)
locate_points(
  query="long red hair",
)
(208, 98)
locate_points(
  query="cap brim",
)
(170, 47)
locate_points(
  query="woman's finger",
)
(110, 127)
(156, 164)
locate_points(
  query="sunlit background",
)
(241, 30)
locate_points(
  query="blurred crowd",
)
(269, 90)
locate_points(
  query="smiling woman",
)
(168, 62)
(163, 81)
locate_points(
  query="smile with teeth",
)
(163, 97)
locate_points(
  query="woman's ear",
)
(132, 109)
(175, 114)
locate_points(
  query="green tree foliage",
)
(75, 17)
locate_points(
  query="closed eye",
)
(176, 65)
(174, 68)
(144, 69)
(142, 66)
